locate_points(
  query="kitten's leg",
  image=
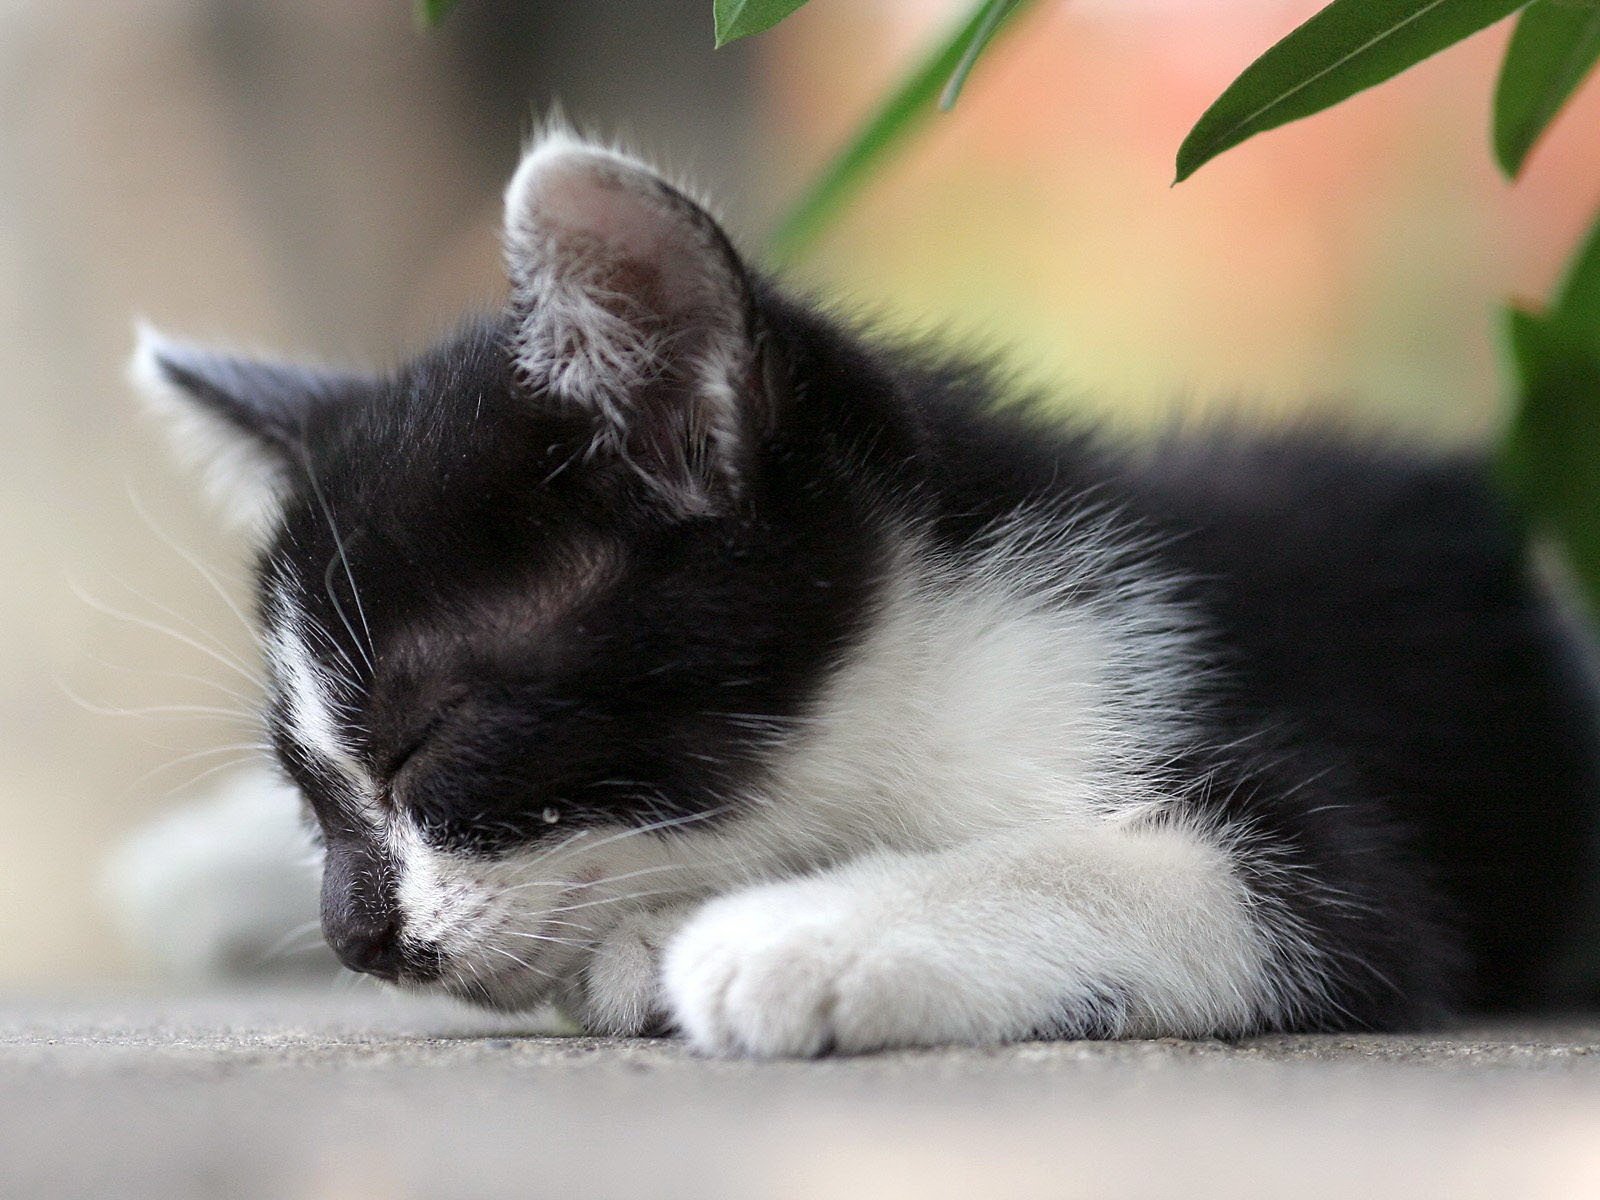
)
(1108, 930)
(617, 993)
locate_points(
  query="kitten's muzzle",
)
(361, 920)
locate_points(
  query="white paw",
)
(805, 968)
(619, 992)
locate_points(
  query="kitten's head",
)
(538, 606)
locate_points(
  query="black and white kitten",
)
(661, 647)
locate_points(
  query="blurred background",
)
(324, 179)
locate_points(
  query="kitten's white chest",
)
(991, 694)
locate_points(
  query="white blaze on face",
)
(310, 698)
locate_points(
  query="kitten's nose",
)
(369, 948)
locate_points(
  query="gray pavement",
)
(356, 1094)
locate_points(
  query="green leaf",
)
(1553, 48)
(431, 12)
(1578, 297)
(1349, 46)
(1550, 456)
(892, 123)
(994, 15)
(735, 19)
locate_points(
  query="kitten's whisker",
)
(209, 752)
(521, 963)
(202, 776)
(301, 929)
(251, 702)
(586, 927)
(348, 981)
(199, 630)
(601, 882)
(545, 937)
(316, 628)
(338, 606)
(147, 623)
(626, 898)
(293, 942)
(157, 710)
(343, 557)
(192, 559)
(635, 830)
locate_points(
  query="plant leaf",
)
(1345, 48)
(1578, 297)
(994, 15)
(735, 19)
(1550, 456)
(895, 118)
(1553, 48)
(431, 12)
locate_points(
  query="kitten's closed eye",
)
(421, 739)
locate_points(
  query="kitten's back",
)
(1380, 600)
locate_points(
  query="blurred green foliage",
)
(932, 84)
(1548, 459)
(431, 12)
(1550, 455)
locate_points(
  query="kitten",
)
(663, 648)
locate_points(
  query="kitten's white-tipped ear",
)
(630, 301)
(243, 473)
(238, 420)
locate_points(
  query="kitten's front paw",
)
(619, 991)
(799, 969)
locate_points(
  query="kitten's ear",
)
(239, 419)
(630, 302)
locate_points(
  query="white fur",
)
(1029, 932)
(575, 213)
(515, 929)
(996, 694)
(995, 730)
(574, 338)
(619, 990)
(241, 476)
(311, 697)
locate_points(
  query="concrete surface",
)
(355, 1094)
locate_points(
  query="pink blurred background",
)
(1354, 260)
(324, 179)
